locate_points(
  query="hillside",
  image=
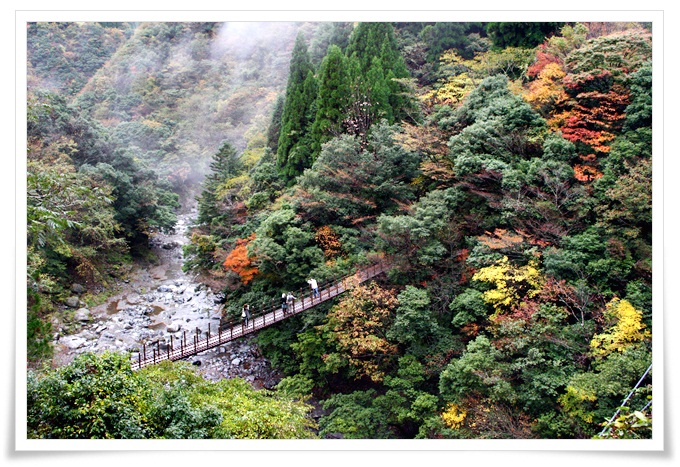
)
(503, 170)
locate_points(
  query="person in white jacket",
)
(315, 287)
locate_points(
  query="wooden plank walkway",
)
(260, 320)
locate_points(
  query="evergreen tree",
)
(300, 156)
(440, 37)
(525, 35)
(274, 130)
(296, 116)
(224, 165)
(333, 98)
(377, 40)
(367, 42)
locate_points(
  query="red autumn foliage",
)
(594, 118)
(238, 261)
(543, 58)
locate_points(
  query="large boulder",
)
(82, 315)
(72, 302)
(77, 288)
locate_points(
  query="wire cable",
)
(608, 425)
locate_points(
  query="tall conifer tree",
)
(370, 41)
(333, 98)
(297, 110)
(224, 165)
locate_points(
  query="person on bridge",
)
(284, 302)
(315, 287)
(290, 298)
(245, 314)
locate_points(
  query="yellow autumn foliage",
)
(546, 94)
(625, 330)
(511, 283)
(454, 416)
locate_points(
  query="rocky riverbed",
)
(153, 303)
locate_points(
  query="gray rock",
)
(133, 298)
(73, 342)
(77, 288)
(82, 315)
(236, 362)
(72, 302)
(175, 326)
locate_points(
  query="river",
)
(154, 301)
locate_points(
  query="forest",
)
(503, 171)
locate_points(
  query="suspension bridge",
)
(180, 348)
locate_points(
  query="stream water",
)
(156, 301)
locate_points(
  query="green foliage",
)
(468, 307)
(527, 35)
(594, 396)
(38, 329)
(99, 396)
(427, 230)
(224, 165)
(349, 182)
(592, 256)
(414, 323)
(479, 371)
(354, 416)
(93, 397)
(274, 129)
(620, 53)
(293, 153)
(332, 99)
(639, 112)
(440, 37)
(285, 250)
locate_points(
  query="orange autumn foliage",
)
(238, 261)
(329, 241)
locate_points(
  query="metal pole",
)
(144, 350)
